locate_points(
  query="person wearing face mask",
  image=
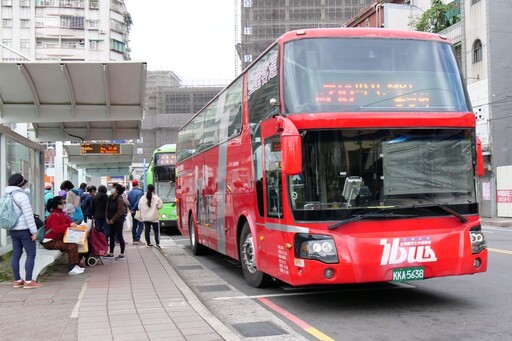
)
(23, 234)
(58, 221)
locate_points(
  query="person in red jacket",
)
(58, 222)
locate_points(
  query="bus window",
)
(273, 177)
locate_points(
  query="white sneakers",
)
(76, 271)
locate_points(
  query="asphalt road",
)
(452, 308)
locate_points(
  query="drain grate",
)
(189, 267)
(259, 329)
(210, 288)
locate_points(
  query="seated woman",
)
(58, 222)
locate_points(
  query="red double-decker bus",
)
(338, 156)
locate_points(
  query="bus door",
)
(273, 256)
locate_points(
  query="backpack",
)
(8, 217)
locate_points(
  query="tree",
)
(438, 17)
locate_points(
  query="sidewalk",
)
(499, 222)
(139, 298)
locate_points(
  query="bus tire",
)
(197, 249)
(253, 276)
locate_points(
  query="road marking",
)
(507, 252)
(74, 313)
(306, 327)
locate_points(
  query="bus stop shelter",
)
(68, 102)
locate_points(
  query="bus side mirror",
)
(291, 146)
(479, 158)
(291, 153)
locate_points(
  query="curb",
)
(195, 303)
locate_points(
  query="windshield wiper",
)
(444, 208)
(371, 215)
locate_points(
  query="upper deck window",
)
(367, 74)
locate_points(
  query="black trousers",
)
(116, 233)
(147, 230)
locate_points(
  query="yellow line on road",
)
(508, 252)
(318, 334)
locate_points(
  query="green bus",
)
(161, 172)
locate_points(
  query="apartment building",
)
(64, 30)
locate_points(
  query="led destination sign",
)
(100, 148)
(399, 94)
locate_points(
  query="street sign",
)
(100, 148)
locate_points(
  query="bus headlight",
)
(316, 246)
(478, 242)
(164, 215)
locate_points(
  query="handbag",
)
(78, 216)
(41, 233)
(138, 215)
(39, 222)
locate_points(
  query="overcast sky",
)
(195, 39)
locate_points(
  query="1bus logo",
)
(412, 250)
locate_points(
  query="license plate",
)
(408, 274)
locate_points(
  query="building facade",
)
(168, 105)
(64, 30)
(489, 76)
(263, 21)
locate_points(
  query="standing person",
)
(82, 189)
(58, 221)
(116, 214)
(133, 197)
(72, 196)
(86, 200)
(149, 205)
(98, 208)
(23, 234)
(48, 194)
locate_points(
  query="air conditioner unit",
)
(102, 31)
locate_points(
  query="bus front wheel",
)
(197, 249)
(253, 276)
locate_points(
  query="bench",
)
(44, 258)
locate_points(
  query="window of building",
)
(6, 22)
(24, 3)
(7, 42)
(25, 43)
(117, 45)
(93, 23)
(94, 4)
(474, 1)
(458, 53)
(25, 23)
(72, 22)
(94, 44)
(7, 3)
(477, 51)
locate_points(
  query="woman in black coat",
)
(98, 208)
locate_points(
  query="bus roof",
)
(166, 148)
(360, 32)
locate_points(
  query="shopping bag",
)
(98, 242)
(89, 224)
(78, 216)
(138, 215)
(83, 248)
(77, 235)
(127, 225)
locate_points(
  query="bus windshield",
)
(165, 176)
(370, 74)
(376, 168)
